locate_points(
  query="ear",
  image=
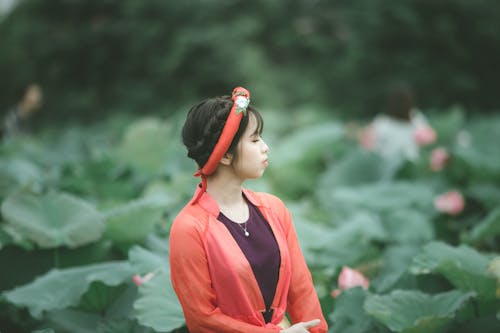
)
(227, 159)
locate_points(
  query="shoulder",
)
(265, 199)
(274, 207)
(190, 222)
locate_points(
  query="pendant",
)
(247, 233)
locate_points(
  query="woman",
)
(235, 260)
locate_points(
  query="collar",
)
(210, 205)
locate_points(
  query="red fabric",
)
(228, 132)
(215, 283)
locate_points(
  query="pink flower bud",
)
(451, 202)
(138, 280)
(367, 138)
(439, 157)
(350, 278)
(424, 135)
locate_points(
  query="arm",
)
(303, 304)
(191, 281)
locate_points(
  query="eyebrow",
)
(256, 133)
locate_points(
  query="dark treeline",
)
(96, 57)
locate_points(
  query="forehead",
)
(252, 125)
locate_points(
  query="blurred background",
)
(382, 118)
(95, 58)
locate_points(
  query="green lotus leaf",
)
(140, 146)
(53, 219)
(408, 226)
(132, 222)
(413, 311)
(346, 244)
(115, 318)
(379, 198)
(356, 168)
(349, 315)
(19, 171)
(71, 320)
(157, 305)
(463, 266)
(144, 261)
(475, 150)
(394, 269)
(61, 288)
(489, 227)
(303, 149)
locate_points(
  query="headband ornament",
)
(241, 100)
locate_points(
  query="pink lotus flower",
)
(350, 278)
(439, 158)
(139, 280)
(451, 202)
(367, 138)
(424, 135)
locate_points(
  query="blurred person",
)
(235, 261)
(401, 130)
(18, 120)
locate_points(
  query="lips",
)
(265, 162)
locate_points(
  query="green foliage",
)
(413, 311)
(157, 305)
(61, 288)
(134, 221)
(349, 315)
(463, 266)
(72, 241)
(91, 56)
(53, 219)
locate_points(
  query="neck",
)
(225, 190)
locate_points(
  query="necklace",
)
(243, 226)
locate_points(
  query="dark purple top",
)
(260, 249)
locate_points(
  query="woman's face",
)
(251, 159)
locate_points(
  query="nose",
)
(265, 147)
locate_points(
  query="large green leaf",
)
(335, 246)
(144, 261)
(116, 318)
(447, 123)
(300, 157)
(396, 260)
(463, 266)
(140, 146)
(349, 315)
(75, 321)
(479, 156)
(157, 305)
(379, 198)
(488, 193)
(415, 312)
(53, 219)
(133, 221)
(60, 288)
(489, 227)
(18, 171)
(357, 168)
(408, 226)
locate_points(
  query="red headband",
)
(241, 99)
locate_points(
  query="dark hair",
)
(204, 124)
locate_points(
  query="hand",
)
(301, 327)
